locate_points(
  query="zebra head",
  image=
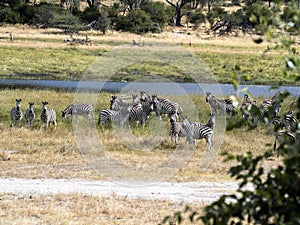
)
(18, 103)
(63, 115)
(208, 97)
(135, 98)
(144, 97)
(45, 105)
(31, 106)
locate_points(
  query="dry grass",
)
(84, 209)
(35, 153)
(54, 154)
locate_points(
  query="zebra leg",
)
(209, 141)
(176, 138)
(274, 146)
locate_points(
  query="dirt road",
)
(187, 192)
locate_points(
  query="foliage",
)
(98, 20)
(19, 12)
(158, 11)
(136, 21)
(195, 18)
(263, 197)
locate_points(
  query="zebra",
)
(289, 121)
(29, 114)
(75, 109)
(48, 115)
(245, 107)
(117, 103)
(282, 137)
(144, 96)
(165, 106)
(270, 108)
(16, 113)
(120, 117)
(141, 112)
(212, 121)
(197, 132)
(176, 129)
(226, 105)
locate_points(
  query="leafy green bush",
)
(7, 15)
(136, 21)
(158, 11)
(90, 14)
(195, 18)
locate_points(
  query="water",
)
(157, 87)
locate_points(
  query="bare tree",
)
(178, 5)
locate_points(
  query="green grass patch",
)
(70, 63)
(261, 70)
(46, 63)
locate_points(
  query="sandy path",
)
(187, 192)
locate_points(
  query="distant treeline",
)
(142, 16)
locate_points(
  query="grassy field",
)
(56, 154)
(42, 54)
(35, 153)
(84, 209)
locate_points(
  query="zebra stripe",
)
(75, 109)
(118, 117)
(283, 137)
(198, 132)
(270, 108)
(225, 105)
(141, 112)
(176, 129)
(16, 113)
(165, 106)
(215, 104)
(29, 114)
(289, 120)
(117, 104)
(48, 115)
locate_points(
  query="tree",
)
(136, 21)
(159, 13)
(178, 5)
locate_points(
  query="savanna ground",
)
(36, 153)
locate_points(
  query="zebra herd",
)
(286, 126)
(47, 115)
(139, 110)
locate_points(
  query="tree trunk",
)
(178, 16)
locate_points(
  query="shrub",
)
(136, 21)
(7, 15)
(195, 18)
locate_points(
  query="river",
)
(157, 87)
